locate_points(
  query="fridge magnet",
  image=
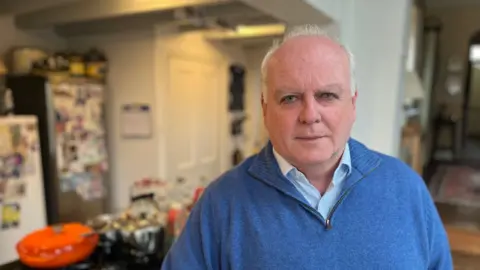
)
(3, 171)
(91, 190)
(70, 181)
(3, 187)
(60, 154)
(11, 215)
(8, 167)
(95, 91)
(64, 108)
(66, 182)
(93, 120)
(13, 164)
(16, 133)
(29, 136)
(30, 147)
(5, 141)
(90, 151)
(29, 166)
(63, 90)
(15, 189)
(69, 158)
(81, 96)
(61, 117)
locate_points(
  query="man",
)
(313, 198)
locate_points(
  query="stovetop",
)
(110, 265)
(106, 266)
(115, 257)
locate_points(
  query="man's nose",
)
(309, 113)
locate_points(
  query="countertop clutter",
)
(91, 64)
(137, 238)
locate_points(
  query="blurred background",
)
(117, 113)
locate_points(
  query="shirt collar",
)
(345, 165)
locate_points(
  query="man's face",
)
(309, 109)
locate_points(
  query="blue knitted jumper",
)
(252, 217)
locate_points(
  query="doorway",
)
(193, 124)
(471, 99)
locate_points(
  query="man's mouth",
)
(309, 138)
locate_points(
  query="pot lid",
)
(56, 237)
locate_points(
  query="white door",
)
(193, 116)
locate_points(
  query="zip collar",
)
(265, 168)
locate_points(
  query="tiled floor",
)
(463, 222)
(465, 261)
(460, 216)
(463, 228)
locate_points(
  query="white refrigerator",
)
(22, 199)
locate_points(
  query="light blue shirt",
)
(324, 203)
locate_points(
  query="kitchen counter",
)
(111, 266)
(115, 265)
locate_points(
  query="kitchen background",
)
(99, 113)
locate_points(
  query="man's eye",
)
(327, 96)
(288, 99)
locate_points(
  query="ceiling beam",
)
(88, 10)
(226, 16)
(22, 6)
(292, 12)
(246, 32)
(114, 25)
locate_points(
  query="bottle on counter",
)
(170, 228)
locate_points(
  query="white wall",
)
(130, 79)
(376, 32)
(10, 36)
(192, 44)
(380, 44)
(138, 63)
(332, 8)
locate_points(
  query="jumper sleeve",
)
(195, 248)
(440, 254)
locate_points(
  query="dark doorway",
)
(471, 96)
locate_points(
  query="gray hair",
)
(306, 30)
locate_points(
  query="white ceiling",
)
(451, 3)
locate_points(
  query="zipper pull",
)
(329, 224)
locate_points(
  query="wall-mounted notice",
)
(136, 121)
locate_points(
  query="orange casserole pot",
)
(57, 246)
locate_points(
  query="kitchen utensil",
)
(57, 246)
(144, 232)
(148, 186)
(145, 236)
(107, 226)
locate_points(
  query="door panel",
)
(207, 124)
(192, 124)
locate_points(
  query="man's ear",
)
(264, 105)
(354, 99)
(354, 103)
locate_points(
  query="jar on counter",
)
(77, 65)
(96, 64)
